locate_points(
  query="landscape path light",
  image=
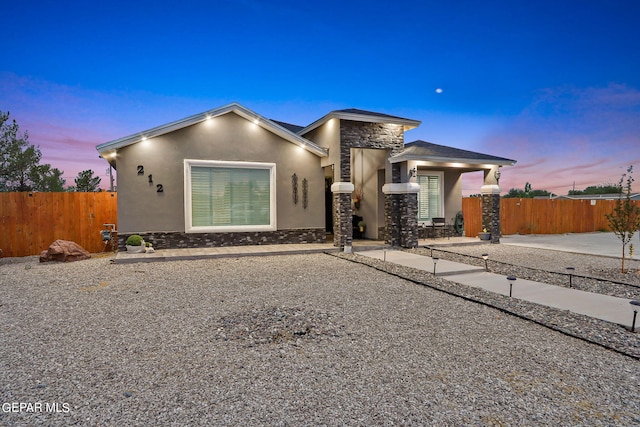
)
(485, 257)
(634, 306)
(571, 270)
(435, 261)
(511, 279)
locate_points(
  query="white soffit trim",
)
(401, 188)
(197, 118)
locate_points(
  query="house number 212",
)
(159, 187)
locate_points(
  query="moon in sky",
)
(439, 90)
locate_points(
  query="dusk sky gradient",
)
(554, 85)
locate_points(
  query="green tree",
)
(527, 193)
(624, 220)
(46, 178)
(597, 189)
(20, 168)
(85, 181)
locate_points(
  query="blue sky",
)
(554, 85)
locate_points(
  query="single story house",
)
(230, 176)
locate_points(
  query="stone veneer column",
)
(342, 215)
(401, 214)
(491, 211)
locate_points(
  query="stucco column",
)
(491, 211)
(401, 214)
(342, 215)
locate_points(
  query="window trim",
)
(440, 175)
(188, 218)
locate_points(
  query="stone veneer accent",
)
(401, 214)
(366, 135)
(342, 214)
(181, 240)
(342, 220)
(491, 211)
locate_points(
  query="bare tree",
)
(624, 220)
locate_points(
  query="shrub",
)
(134, 240)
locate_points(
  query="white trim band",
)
(342, 187)
(401, 188)
(490, 189)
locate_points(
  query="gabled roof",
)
(423, 150)
(362, 116)
(108, 148)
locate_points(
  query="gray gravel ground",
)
(286, 340)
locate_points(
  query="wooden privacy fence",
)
(541, 216)
(32, 221)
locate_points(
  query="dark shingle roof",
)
(423, 149)
(369, 113)
(288, 126)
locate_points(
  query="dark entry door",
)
(328, 204)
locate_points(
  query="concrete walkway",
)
(611, 309)
(260, 250)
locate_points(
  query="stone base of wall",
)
(427, 232)
(180, 240)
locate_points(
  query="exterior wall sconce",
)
(497, 175)
(413, 172)
(485, 257)
(511, 279)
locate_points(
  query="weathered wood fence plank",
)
(541, 216)
(30, 222)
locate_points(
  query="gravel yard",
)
(285, 340)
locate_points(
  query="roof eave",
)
(465, 161)
(407, 124)
(112, 146)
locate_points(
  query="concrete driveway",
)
(599, 243)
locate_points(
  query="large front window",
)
(229, 196)
(430, 197)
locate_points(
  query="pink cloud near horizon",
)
(571, 137)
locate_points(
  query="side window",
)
(430, 197)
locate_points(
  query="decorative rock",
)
(65, 251)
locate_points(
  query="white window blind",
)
(228, 196)
(429, 197)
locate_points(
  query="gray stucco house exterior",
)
(230, 176)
